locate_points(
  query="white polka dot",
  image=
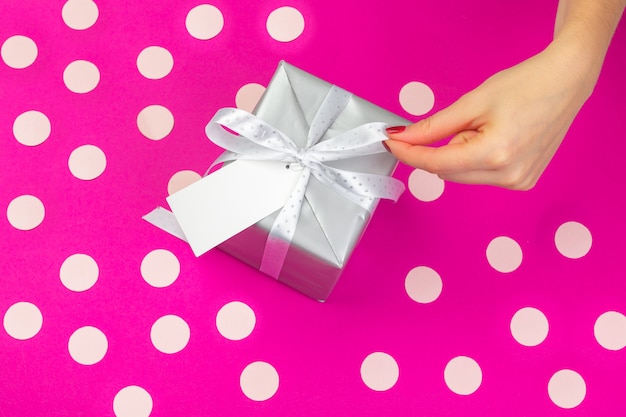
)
(417, 98)
(87, 162)
(80, 14)
(529, 326)
(31, 128)
(79, 272)
(155, 122)
(504, 254)
(259, 381)
(463, 375)
(155, 62)
(204, 22)
(26, 212)
(423, 284)
(182, 179)
(285, 24)
(160, 268)
(425, 186)
(248, 96)
(87, 345)
(23, 320)
(132, 401)
(567, 388)
(610, 330)
(379, 371)
(81, 76)
(19, 51)
(573, 240)
(235, 320)
(170, 334)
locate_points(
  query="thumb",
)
(445, 123)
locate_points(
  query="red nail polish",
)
(386, 146)
(395, 129)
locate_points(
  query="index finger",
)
(450, 158)
(457, 117)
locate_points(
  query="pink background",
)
(373, 49)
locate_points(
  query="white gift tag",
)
(231, 199)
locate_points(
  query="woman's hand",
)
(506, 131)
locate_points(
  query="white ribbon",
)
(255, 139)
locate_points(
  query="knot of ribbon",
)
(244, 136)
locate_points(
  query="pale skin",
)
(506, 131)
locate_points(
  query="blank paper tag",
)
(228, 201)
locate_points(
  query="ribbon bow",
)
(255, 139)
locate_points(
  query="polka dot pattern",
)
(104, 110)
(529, 326)
(26, 212)
(182, 179)
(80, 14)
(573, 240)
(170, 334)
(235, 320)
(417, 98)
(463, 375)
(87, 345)
(155, 122)
(379, 371)
(87, 162)
(259, 381)
(204, 22)
(425, 186)
(23, 320)
(567, 389)
(81, 76)
(79, 272)
(423, 284)
(155, 62)
(132, 401)
(248, 96)
(610, 330)
(19, 52)
(504, 254)
(285, 24)
(31, 128)
(160, 268)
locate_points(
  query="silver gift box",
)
(330, 225)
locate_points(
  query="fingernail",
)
(395, 129)
(386, 146)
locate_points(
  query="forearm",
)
(596, 17)
(584, 28)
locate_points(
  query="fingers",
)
(459, 155)
(435, 160)
(445, 123)
(466, 162)
(509, 180)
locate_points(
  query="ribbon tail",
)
(166, 221)
(284, 228)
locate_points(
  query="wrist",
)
(577, 58)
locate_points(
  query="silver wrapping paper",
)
(330, 226)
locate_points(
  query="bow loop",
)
(254, 138)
